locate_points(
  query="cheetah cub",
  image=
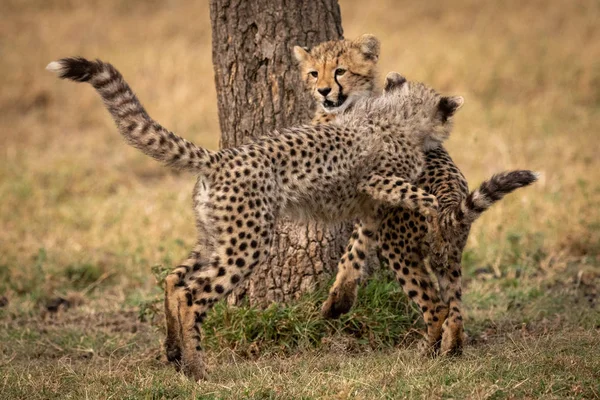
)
(349, 67)
(357, 168)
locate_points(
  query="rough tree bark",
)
(259, 90)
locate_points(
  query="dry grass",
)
(82, 212)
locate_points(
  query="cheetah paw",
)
(339, 302)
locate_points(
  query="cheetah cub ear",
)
(369, 46)
(449, 105)
(302, 54)
(393, 81)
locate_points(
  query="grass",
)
(381, 319)
(85, 218)
(547, 347)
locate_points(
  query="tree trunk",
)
(259, 90)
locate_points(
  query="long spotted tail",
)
(491, 191)
(134, 123)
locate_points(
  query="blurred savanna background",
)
(87, 222)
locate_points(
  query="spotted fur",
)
(360, 168)
(338, 73)
(403, 236)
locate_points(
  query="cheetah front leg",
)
(350, 271)
(397, 192)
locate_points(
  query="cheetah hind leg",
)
(342, 294)
(174, 283)
(231, 262)
(411, 273)
(453, 335)
(453, 338)
(438, 245)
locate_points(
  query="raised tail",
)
(134, 123)
(491, 191)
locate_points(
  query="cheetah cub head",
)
(340, 71)
(423, 110)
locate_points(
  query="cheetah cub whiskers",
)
(323, 172)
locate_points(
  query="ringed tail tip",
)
(56, 67)
(75, 68)
(528, 177)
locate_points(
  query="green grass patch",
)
(380, 319)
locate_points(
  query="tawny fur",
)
(339, 72)
(326, 172)
(403, 236)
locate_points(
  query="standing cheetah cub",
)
(357, 168)
(402, 236)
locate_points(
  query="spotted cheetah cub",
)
(402, 237)
(356, 168)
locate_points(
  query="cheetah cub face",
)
(432, 112)
(410, 107)
(339, 72)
